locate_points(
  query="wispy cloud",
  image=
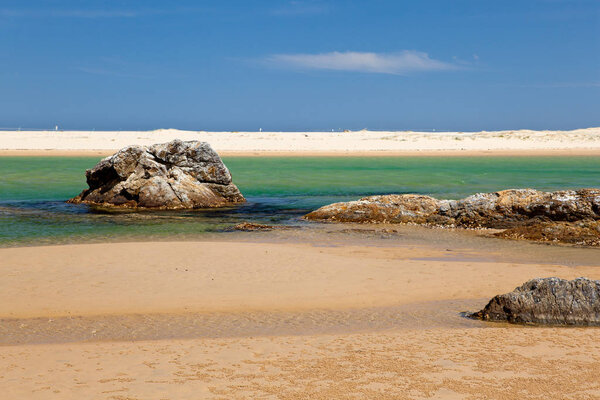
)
(23, 13)
(555, 85)
(292, 8)
(400, 63)
(87, 13)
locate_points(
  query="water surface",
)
(33, 191)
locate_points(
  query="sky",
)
(303, 65)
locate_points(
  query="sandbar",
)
(352, 143)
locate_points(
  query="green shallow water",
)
(278, 189)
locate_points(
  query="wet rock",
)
(550, 301)
(174, 175)
(586, 233)
(388, 208)
(500, 210)
(252, 227)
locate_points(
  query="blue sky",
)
(300, 65)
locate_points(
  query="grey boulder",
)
(549, 301)
(174, 175)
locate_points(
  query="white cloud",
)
(400, 63)
(89, 13)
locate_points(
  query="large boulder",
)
(500, 210)
(174, 175)
(550, 301)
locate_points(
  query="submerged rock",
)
(252, 227)
(500, 210)
(174, 175)
(550, 301)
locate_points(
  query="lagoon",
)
(279, 190)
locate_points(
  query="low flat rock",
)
(583, 233)
(174, 175)
(549, 301)
(500, 210)
(253, 227)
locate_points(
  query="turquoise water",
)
(278, 189)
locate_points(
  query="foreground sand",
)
(112, 321)
(494, 363)
(581, 141)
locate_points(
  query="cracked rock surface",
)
(550, 301)
(174, 175)
(566, 216)
(499, 210)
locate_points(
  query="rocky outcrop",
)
(584, 233)
(550, 301)
(174, 175)
(569, 216)
(500, 210)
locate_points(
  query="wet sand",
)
(179, 320)
(171, 277)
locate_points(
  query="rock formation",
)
(174, 175)
(563, 216)
(252, 227)
(500, 210)
(551, 301)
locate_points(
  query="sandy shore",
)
(521, 142)
(276, 320)
(234, 277)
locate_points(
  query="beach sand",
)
(288, 320)
(188, 320)
(372, 143)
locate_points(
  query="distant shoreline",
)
(355, 143)
(381, 153)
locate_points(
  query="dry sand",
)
(581, 141)
(350, 322)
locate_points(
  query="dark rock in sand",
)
(174, 175)
(500, 210)
(550, 301)
(586, 233)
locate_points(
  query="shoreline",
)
(277, 314)
(575, 152)
(312, 144)
(248, 320)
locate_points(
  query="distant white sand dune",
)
(309, 142)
